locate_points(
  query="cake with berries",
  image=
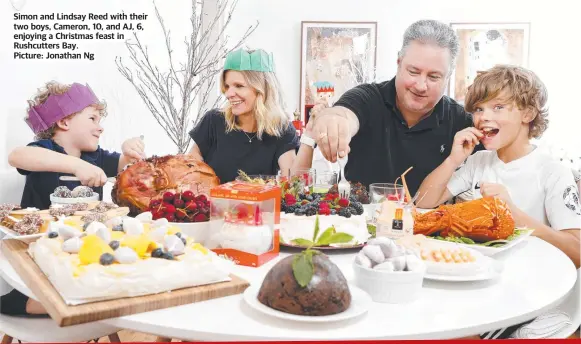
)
(297, 219)
(124, 257)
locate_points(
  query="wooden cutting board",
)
(16, 252)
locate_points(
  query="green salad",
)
(494, 243)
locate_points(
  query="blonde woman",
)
(252, 133)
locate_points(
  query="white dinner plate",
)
(490, 251)
(360, 302)
(494, 270)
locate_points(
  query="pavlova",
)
(123, 257)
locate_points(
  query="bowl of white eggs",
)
(388, 272)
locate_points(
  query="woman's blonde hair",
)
(268, 108)
(522, 86)
(56, 88)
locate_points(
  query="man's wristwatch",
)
(309, 141)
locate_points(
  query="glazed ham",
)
(150, 178)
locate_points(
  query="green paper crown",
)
(256, 60)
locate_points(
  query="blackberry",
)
(345, 212)
(299, 212)
(157, 253)
(114, 244)
(178, 234)
(310, 198)
(53, 235)
(352, 210)
(311, 212)
(333, 212)
(184, 241)
(357, 206)
(290, 209)
(352, 199)
(167, 255)
(106, 259)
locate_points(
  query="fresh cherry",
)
(188, 195)
(179, 203)
(168, 197)
(170, 209)
(202, 198)
(170, 217)
(191, 206)
(154, 203)
(200, 218)
(177, 196)
(181, 213)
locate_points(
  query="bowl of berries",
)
(185, 210)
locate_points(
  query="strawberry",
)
(392, 197)
(343, 202)
(290, 199)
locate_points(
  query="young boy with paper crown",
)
(508, 106)
(66, 121)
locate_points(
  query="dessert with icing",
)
(123, 257)
(299, 213)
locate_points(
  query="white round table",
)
(536, 278)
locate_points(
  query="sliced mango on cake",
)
(199, 247)
(139, 243)
(117, 235)
(92, 249)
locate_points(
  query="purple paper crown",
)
(56, 107)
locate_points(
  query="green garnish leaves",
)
(303, 268)
(302, 242)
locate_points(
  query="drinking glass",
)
(324, 181)
(380, 192)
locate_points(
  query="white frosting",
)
(246, 238)
(132, 226)
(144, 277)
(293, 227)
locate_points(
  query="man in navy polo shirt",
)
(405, 122)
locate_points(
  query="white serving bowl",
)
(390, 286)
(73, 200)
(197, 230)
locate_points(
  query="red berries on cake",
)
(180, 207)
(331, 203)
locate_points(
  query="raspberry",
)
(344, 203)
(324, 205)
(290, 199)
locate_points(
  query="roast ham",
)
(145, 180)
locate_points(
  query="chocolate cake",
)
(327, 292)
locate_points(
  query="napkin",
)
(544, 326)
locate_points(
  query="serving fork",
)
(344, 186)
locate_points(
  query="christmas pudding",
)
(149, 179)
(306, 284)
(123, 257)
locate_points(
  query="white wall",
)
(554, 54)
(554, 49)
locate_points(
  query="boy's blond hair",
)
(56, 88)
(522, 86)
(268, 109)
